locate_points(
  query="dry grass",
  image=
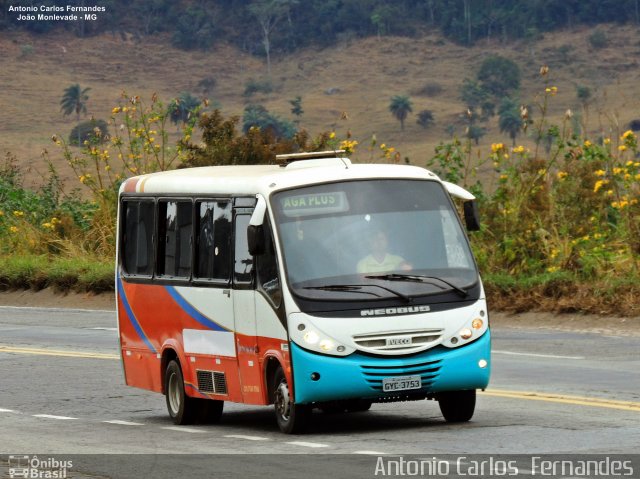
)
(367, 72)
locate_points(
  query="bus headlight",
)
(311, 337)
(465, 333)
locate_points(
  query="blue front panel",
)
(360, 376)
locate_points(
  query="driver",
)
(380, 261)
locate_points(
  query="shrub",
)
(598, 39)
(425, 118)
(93, 131)
(257, 86)
(431, 89)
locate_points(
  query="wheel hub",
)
(282, 401)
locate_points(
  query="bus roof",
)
(265, 179)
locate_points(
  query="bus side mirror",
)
(255, 239)
(471, 215)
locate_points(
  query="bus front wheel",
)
(457, 406)
(292, 418)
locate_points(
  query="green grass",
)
(61, 274)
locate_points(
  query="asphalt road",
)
(551, 392)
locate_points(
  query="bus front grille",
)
(213, 382)
(398, 340)
(375, 373)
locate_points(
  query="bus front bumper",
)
(360, 376)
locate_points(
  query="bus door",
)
(249, 365)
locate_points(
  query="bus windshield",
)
(372, 239)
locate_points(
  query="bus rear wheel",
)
(457, 406)
(292, 418)
(184, 409)
(181, 407)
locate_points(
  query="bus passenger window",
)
(213, 240)
(174, 238)
(137, 247)
(243, 261)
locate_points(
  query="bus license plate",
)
(401, 383)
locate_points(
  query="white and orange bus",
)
(316, 283)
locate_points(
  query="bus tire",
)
(358, 405)
(457, 406)
(182, 408)
(292, 418)
(209, 411)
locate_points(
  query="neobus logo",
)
(389, 311)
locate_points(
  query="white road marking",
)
(104, 329)
(512, 353)
(307, 444)
(123, 423)
(50, 416)
(6, 410)
(248, 438)
(185, 429)
(66, 310)
(371, 453)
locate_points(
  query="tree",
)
(259, 117)
(296, 107)
(400, 107)
(510, 121)
(499, 75)
(181, 108)
(74, 99)
(476, 97)
(269, 13)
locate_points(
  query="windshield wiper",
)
(357, 288)
(418, 278)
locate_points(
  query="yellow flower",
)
(116, 110)
(503, 177)
(552, 269)
(622, 147)
(542, 172)
(600, 173)
(553, 90)
(599, 184)
(627, 134)
(496, 147)
(587, 143)
(607, 141)
(617, 171)
(518, 149)
(18, 214)
(332, 135)
(562, 175)
(629, 163)
(13, 229)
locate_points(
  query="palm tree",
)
(400, 107)
(74, 99)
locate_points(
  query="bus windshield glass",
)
(372, 239)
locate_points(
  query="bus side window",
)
(243, 265)
(267, 269)
(174, 238)
(213, 240)
(137, 244)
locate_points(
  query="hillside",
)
(364, 74)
